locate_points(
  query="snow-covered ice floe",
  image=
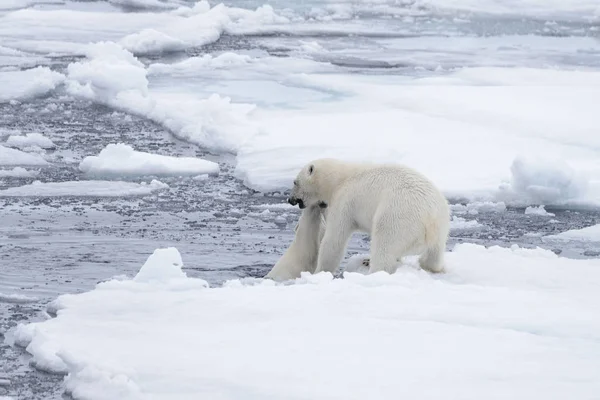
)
(502, 322)
(121, 159)
(84, 189)
(17, 172)
(589, 234)
(539, 210)
(30, 140)
(29, 83)
(10, 156)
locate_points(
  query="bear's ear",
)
(311, 169)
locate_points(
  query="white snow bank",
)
(397, 333)
(29, 83)
(589, 234)
(17, 172)
(30, 140)
(113, 76)
(121, 159)
(10, 156)
(540, 210)
(84, 188)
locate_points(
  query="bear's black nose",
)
(292, 201)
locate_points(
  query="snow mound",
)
(540, 210)
(17, 172)
(121, 159)
(30, 140)
(544, 182)
(458, 223)
(28, 84)
(540, 307)
(10, 156)
(589, 234)
(84, 189)
(162, 266)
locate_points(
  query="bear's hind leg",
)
(383, 256)
(433, 259)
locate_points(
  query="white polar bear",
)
(303, 252)
(401, 209)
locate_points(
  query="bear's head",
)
(307, 190)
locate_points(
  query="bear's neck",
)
(335, 179)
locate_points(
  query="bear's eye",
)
(296, 183)
(311, 169)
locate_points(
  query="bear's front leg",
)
(333, 245)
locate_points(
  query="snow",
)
(27, 84)
(121, 159)
(84, 188)
(17, 172)
(540, 210)
(589, 234)
(30, 140)
(222, 342)
(10, 156)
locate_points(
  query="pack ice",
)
(503, 322)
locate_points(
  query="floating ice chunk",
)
(162, 266)
(84, 188)
(17, 298)
(540, 210)
(589, 234)
(30, 140)
(10, 156)
(17, 172)
(459, 223)
(476, 207)
(121, 159)
(151, 41)
(29, 83)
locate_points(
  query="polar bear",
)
(401, 209)
(302, 254)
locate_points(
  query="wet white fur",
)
(400, 208)
(304, 250)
